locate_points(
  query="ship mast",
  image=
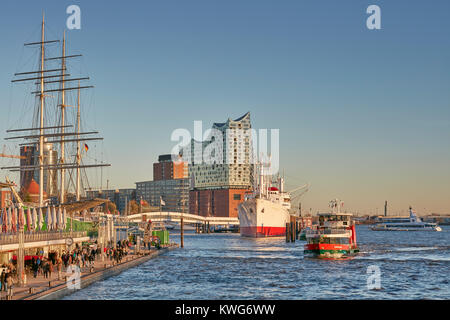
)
(41, 129)
(58, 137)
(63, 106)
(78, 160)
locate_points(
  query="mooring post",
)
(294, 231)
(287, 232)
(182, 232)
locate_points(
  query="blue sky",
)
(363, 115)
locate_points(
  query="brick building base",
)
(216, 202)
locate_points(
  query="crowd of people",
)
(7, 272)
(81, 256)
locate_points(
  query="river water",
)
(412, 265)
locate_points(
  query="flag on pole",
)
(40, 219)
(21, 218)
(54, 221)
(14, 220)
(48, 218)
(8, 220)
(34, 220)
(162, 202)
(64, 222)
(1, 219)
(29, 219)
(86, 148)
(60, 219)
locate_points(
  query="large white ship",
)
(411, 223)
(265, 212)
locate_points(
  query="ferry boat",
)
(411, 223)
(334, 237)
(265, 213)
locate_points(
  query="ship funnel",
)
(281, 184)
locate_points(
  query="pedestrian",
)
(45, 269)
(9, 283)
(59, 267)
(2, 278)
(35, 269)
(50, 268)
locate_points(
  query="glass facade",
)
(174, 193)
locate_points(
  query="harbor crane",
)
(4, 155)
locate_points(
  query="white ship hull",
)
(262, 218)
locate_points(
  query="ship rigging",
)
(43, 135)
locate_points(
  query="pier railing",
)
(41, 236)
(327, 231)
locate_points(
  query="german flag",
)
(86, 148)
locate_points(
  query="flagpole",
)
(78, 145)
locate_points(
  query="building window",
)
(236, 197)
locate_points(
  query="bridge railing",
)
(41, 236)
(188, 217)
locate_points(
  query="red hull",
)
(262, 232)
(325, 246)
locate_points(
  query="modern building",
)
(170, 184)
(173, 192)
(31, 158)
(120, 197)
(166, 168)
(221, 168)
(5, 198)
(28, 154)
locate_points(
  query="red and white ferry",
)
(265, 212)
(335, 235)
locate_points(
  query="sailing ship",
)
(334, 237)
(39, 163)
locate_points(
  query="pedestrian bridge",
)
(187, 218)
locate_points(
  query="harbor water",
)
(412, 265)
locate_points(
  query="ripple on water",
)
(226, 266)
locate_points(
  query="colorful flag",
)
(40, 219)
(34, 219)
(1, 219)
(28, 219)
(86, 148)
(48, 219)
(64, 222)
(8, 220)
(54, 218)
(21, 218)
(14, 220)
(60, 219)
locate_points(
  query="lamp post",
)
(21, 256)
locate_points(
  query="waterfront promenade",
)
(52, 288)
